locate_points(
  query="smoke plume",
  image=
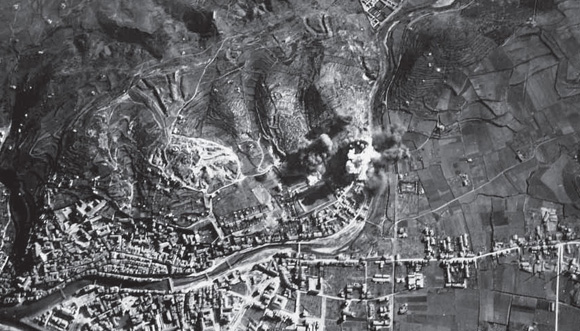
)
(389, 143)
(389, 146)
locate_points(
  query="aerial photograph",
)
(290, 165)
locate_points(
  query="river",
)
(23, 212)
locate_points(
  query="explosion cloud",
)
(389, 148)
(311, 158)
(389, 143)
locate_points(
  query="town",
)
(306, 291)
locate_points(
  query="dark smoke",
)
(309, 159)
(389, 143)
(376, 180)
(390, 137)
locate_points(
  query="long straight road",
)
(559, 270)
